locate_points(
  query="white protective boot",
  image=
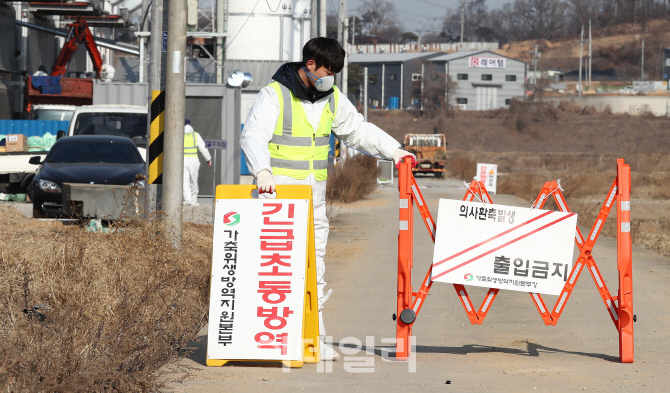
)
(328, 353)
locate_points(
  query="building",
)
(485, 80)
(394, 79)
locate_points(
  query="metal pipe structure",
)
(220, 26)
(402, 80)
(590, 53)
(175, 99)
(381, 104)
(365, 93)
(142, 40)
(345, 70)
(103, 42)
(642, 65)
(581, 49)
(314, 27)
(322, 18)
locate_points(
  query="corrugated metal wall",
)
(32, 127)
(119, 93)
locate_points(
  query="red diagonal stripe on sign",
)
(494, 237)
(504, 245)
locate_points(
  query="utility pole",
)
(422, 75)
(314, 26)
(353, 31)
(341, 16)
(220, 27)
(322, 18)
(462, 21)
(581, 50)
(642, 66)
(345, 70)
(365, 93)
(535, 66)
(173, 150)
(590, 53)
(156, 82)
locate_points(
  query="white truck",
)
(52, 112)
(117, 120)
(16, 172)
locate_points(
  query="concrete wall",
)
(634, 105)
(486, 94)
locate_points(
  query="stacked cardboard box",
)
(16, 143)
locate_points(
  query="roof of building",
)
(390, 57)
(466, 53)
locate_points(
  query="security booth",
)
(214, 112)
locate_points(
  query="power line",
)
(268, 3)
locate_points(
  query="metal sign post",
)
(216, 144)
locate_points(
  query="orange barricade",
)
(620, 307)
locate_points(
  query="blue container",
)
(32, 127)
(394, 103)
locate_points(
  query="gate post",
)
(624, 263)
(405, 261)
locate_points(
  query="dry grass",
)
(461, 166)
(352, 180)
(97, 312)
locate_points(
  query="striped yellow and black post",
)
(337, 148)
(156, 140)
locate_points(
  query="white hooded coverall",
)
(348, 125)
(192, 166)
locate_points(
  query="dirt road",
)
(511, 352)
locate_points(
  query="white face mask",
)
(321, 84)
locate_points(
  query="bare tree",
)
(437, 90)
(380, 21)
(477, 23)
(541, 18)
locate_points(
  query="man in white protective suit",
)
(192, 143)
(286, 138)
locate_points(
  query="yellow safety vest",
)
(190, 145)
(296, 149)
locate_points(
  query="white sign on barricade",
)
(258, 279)
(488, 174)
(506, 247)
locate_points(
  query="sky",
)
(418, 14)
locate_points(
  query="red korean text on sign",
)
(276, 244)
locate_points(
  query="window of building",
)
(435, 76)
(487, 77)
(392, 77)
(416, 77)
(463, 101)
(510, 78)
(462, 77)
(508, 101)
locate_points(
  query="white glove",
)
(400, 154)
(265, 182)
